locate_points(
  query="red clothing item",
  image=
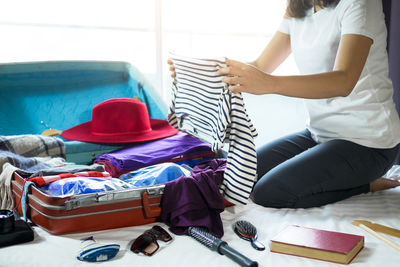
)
(42, 180)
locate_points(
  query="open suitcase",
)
(90, 212)
(60, 88)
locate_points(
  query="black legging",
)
(297, 172)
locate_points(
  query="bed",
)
(379, 207)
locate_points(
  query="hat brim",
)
(82, 132)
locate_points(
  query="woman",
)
(353, 131)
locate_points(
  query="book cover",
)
(318, 244)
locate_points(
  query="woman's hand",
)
(243, 77)
(171, 68)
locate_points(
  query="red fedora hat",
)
(120, 120)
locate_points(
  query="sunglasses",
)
(147, 242)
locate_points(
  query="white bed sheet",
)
(381, 207)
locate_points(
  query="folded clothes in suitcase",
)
(65, 213)
(98, 210)
(89, 212)
(92, 210)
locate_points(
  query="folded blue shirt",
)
(83, 185)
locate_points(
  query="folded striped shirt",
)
(203, 106)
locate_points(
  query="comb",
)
(360, 223)
(379, 228)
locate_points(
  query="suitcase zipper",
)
(112, 197)
(52, 207)
(98, 198)
(83, 215)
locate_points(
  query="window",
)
(78, 30)
(143, 32)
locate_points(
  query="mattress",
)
(380, 207)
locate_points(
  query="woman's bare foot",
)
(383, 184)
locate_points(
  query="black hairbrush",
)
(247, 231)
(214, 243)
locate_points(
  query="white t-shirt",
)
(367, 116)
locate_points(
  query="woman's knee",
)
(270, 194)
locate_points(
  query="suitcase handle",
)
(149, 211)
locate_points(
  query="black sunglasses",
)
(147, 242)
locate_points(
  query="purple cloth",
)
(149, 153)
(111, 169)
(190, 160)
(195, 200)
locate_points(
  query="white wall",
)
(143, 32)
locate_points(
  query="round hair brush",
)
(247, 231)
(216, 244)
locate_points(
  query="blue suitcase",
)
(37, 96)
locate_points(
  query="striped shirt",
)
(204, 107)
